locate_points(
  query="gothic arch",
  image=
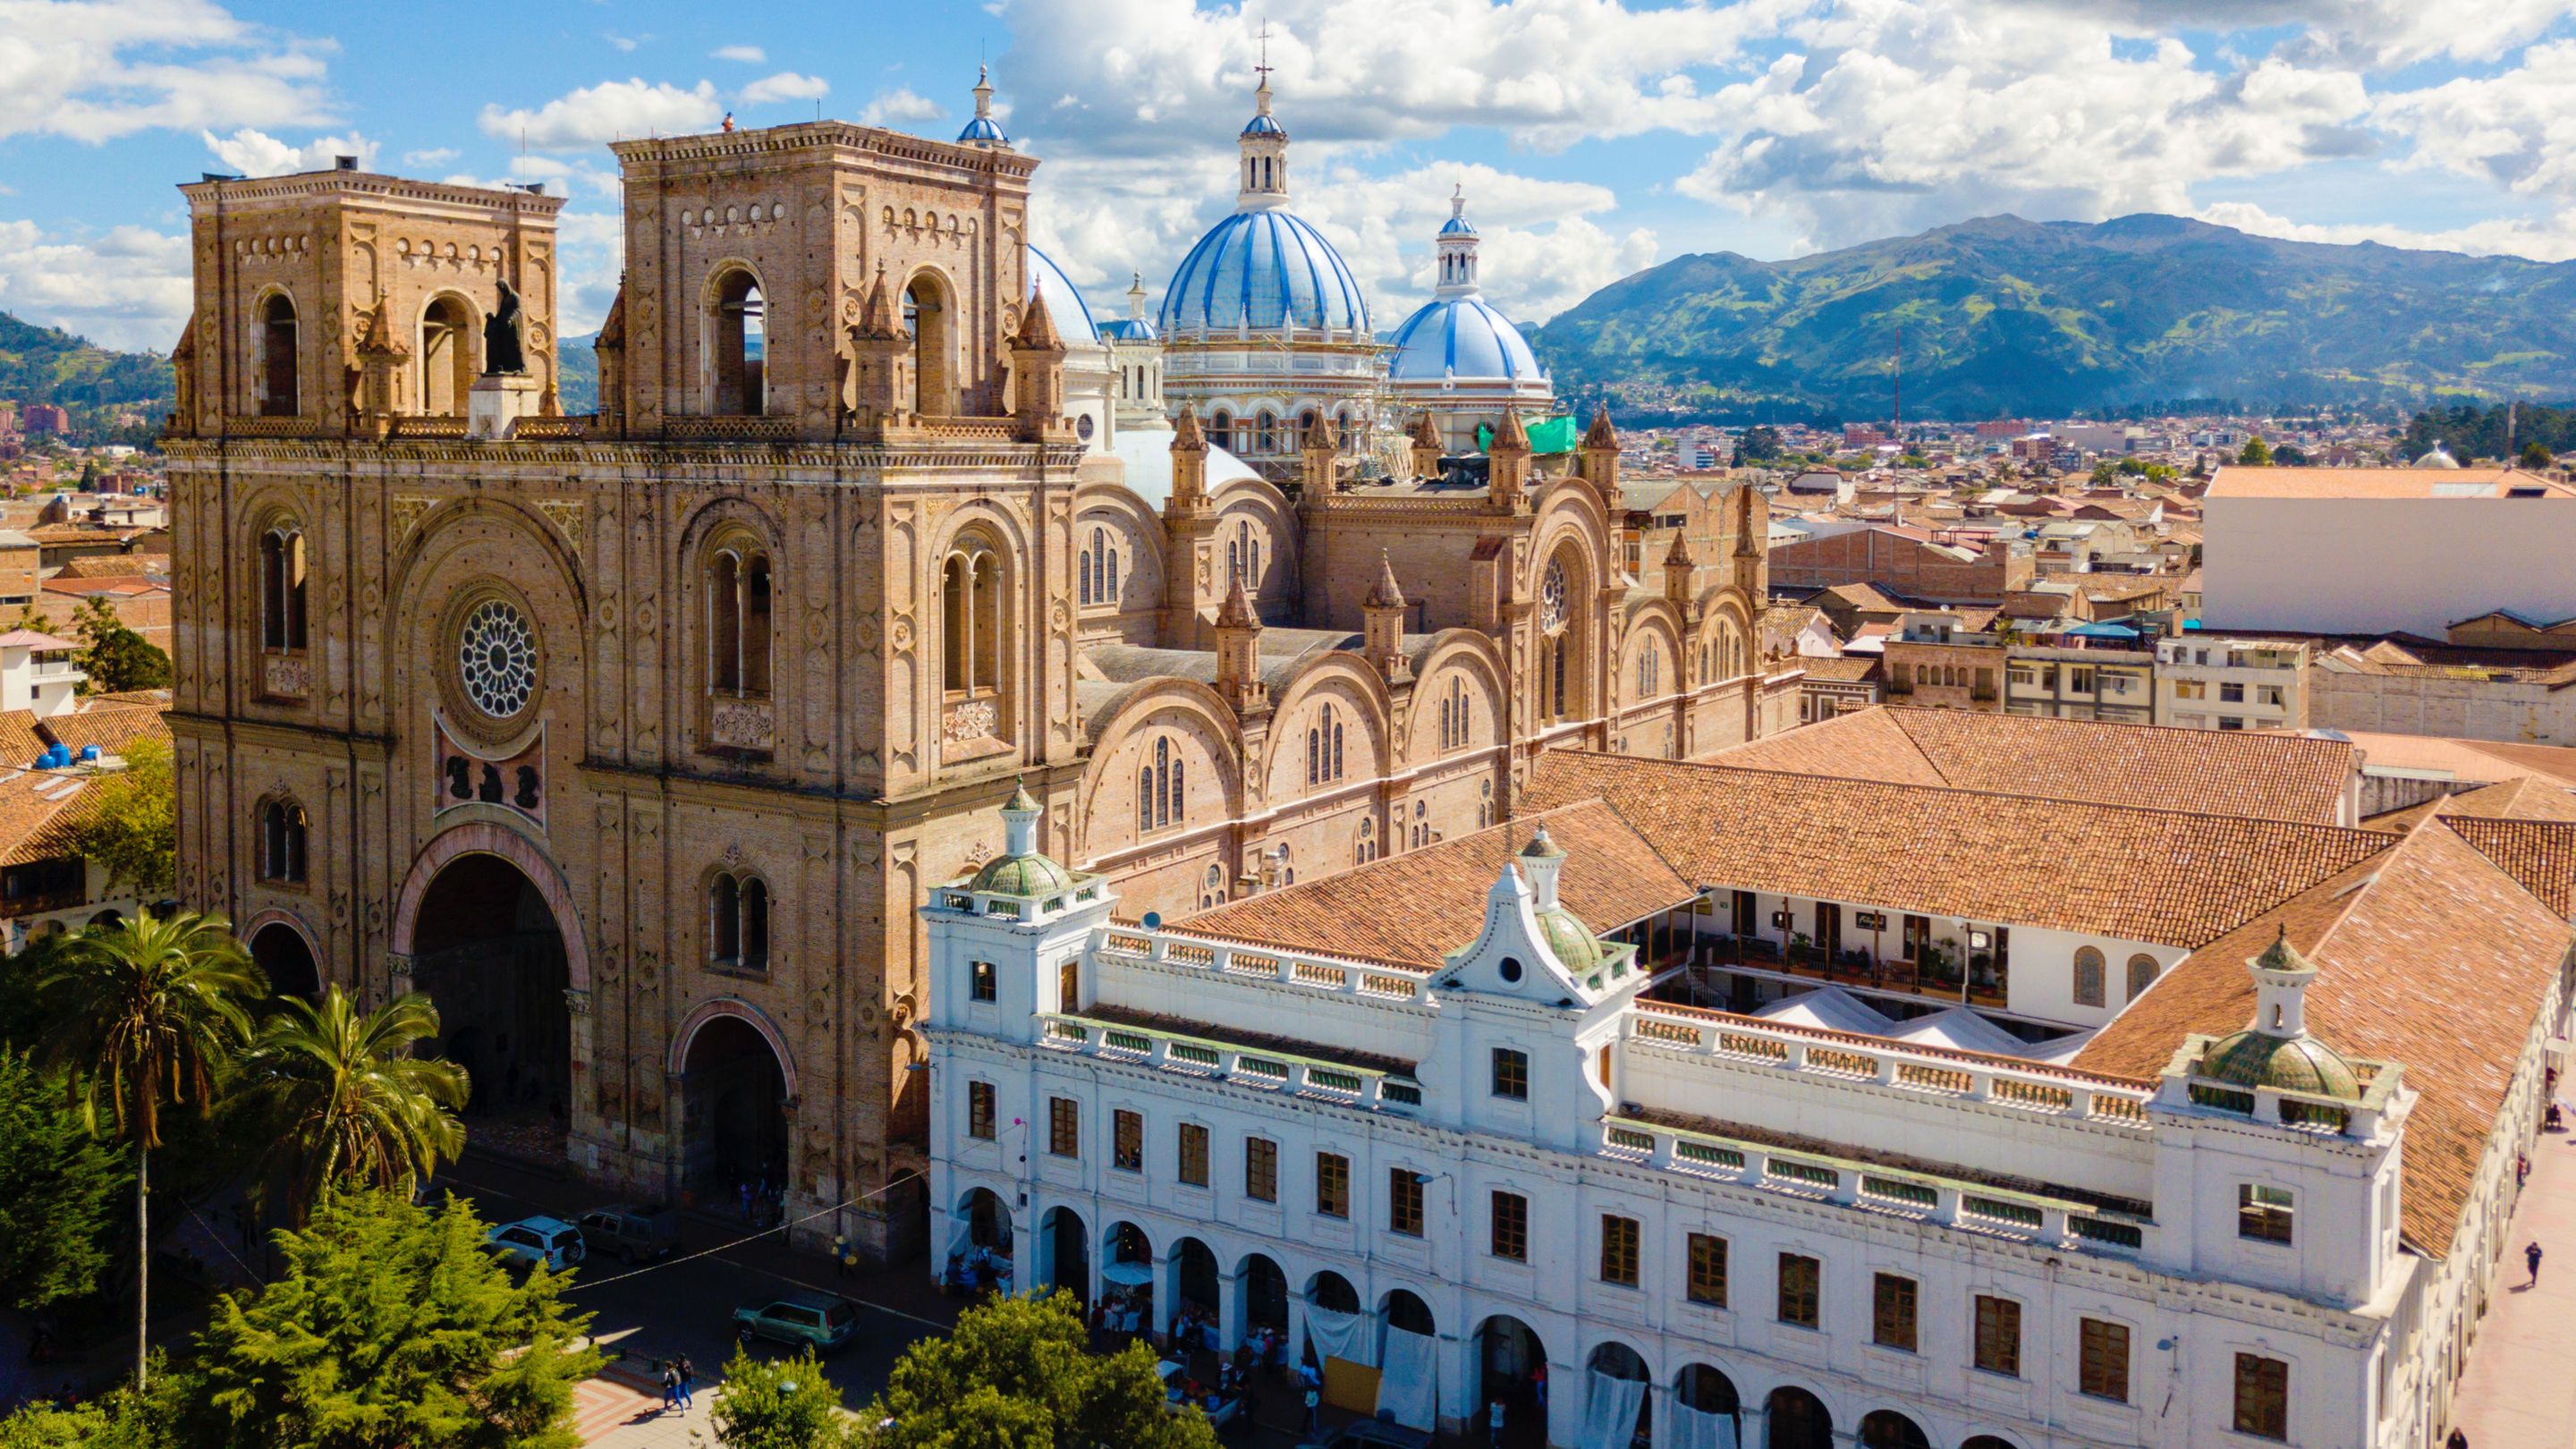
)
(1473, 657)
(1105, 798)
(1251, 509)
(1345, 679)
(437, 529)
(1136, 531)
(1657, 629)
(484, 838)
(730, 1006)
(934, 316)
(727, 385)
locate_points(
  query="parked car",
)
(530, 1241)
(817, 1321)
(634, 1233)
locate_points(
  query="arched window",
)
(1091, 567)
(2088, 976)
(2142, 974)
(1212, 890)
(447, 365)
(1484, 803)
(281, 587)
(1266, 434)
(738, 921)
(1162, 788)
(737, 337)
(1649, 673)
(1324, 748)
(278, 391)
(1457, 716)
(1308, 425)
(1220, 430)
(926, 317)
(1421, 823)
(1364, 849)
(1342, 428)
(738, 622)
(282, 826)
(970, 590)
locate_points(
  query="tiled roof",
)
(1841, 668)
(2272, 777)
(2526, 798)
(112, 727)
(2336, 483)
(2165, 876)
(2429, 957)
(37, 810)
(2539, 854)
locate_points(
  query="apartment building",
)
(2232, 684)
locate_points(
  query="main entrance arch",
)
(286, 956)
(485, 927)
(735, 1084)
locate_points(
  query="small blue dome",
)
(1264, 126)
(1129, 329)
(1263, 270)
(1457, 226)
(1064, 301)
(984, 128)
(1464, 338)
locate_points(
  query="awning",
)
(1128, 1275)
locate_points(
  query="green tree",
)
(1016, 1372)
(149, 1010)
(2255, 454)
(350, 1103)
(117, 658)
(1756, 445)
(785, 1403)
(132, 829)
(390, 1328)
(2536, 455)
(2291, 455)
(121, 1420)
(58, 1189)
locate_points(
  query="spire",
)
(1136, 298)
(1424, 434)
(1264, 144)
(1020, 821)
(1187, 435)
(1679, 555)
(2281, 977)
(1237, 613)
(1510, 435)
(1601, 434)
(1744, 547)
(983, 130)
(1386, 593)
(878, 320)
(983, 94)
(1037, 329)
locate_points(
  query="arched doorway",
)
(1701, 1393)
(1888, 1429)
(1265, 1296)
(1615, 1378)
(1796, 1419)
(1512, 1368)
(988, 1222)
(1127, 1277)
(1194, 1295)
(281, 952)
(1405, 1310)
(486, 950)
(733, 1113)
(1064, 1254)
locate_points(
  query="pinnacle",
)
(1386, 593)
(1237, 613)
(1679, 555)
(1037, 329)
(1187, 435)
(1511, 435)
(1601, 434)
(877, 319)
(1424, 435)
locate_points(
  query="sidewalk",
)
(2518, 1393)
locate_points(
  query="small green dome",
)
(1024, 875)
(1573, 943)
(2289, 1063)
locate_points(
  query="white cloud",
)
(128, 288)
(745, 54)
(2516, 129)
(898, 105)
(596, 115)
(2383, 33)
(787, 85)
(95, 71)
(256, 153)
(624, 44)
(435, 156)
(2551, 239)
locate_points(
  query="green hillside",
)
(49, 365)
(2002, 316)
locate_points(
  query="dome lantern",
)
(1457, 246)
(1264, 143)
(983, 130)
(2277, 1050)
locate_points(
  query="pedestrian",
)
(742, 1191)
(670, 1386)
(688, 1382)
(2457, 1440)
(1314, 1400)
(2521, 1169)
(1538, 1385)
(1494, 1421)
(2531, 1255)
(841, 1255)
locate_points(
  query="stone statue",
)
(505, 336)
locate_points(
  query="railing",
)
(1875, 972)
(1303, 970)
(729, 429)
(435, 429)
(1258, 1067)
(261, 425)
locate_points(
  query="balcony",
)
(1983, 982)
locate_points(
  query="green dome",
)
(1573, 943)
(2291, 1064)
(1024, 875)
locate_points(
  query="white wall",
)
(2346, 566)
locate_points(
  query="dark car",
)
(634, 1233)
(817, 1321)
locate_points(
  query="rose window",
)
(1551, 599)
(496, 657)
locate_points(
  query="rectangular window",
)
(1194, 1155)
(1891, 1318)
(1404, 1202)
(1068, 986)
(2263, 1213)
(1999, 1336)
(2103, 1369)
(2190, 689)
(1511, 1226)
(2229, 693)
(1332, 1185)
(1801, 1283)
(1127, 1141)
(1261, 1169)
(1064, 1127)
(987, 982)
(2262, 1397)
(1707, 1277)
(1619, 1250)
(1511, 1074)
(979, 1110)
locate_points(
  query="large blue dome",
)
(1265, 270)
(1461, 337)
(1064, 302)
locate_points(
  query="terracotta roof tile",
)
(113, 727)
(2540, 855)
(2526, 798)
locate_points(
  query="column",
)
(1564, 1403)
(1166, 1293)
(1230, 1326)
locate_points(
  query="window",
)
(1404, 1202)
(282, 588)
(1261, 1169)
(738, 623)
(926, 317)
(738, 921)
(737, 338)
(2190, 689)
(1454, 718)
(2262, 1396)
(1194, 1154)
(979, 1111)
(1421, 823)
(1891, 1316)
(2088, 976)
(2142, 974)
(2231, 693)
(1364, 848)
(970, 595)
(1160, 784)
(281, 842)
(1096, 571)
(2102, 1369)
(985, 984)
(1332, 1185)
(1801, 1281)
(1511, 1074)
(2079, 679)
(1068, 985)
(1999, 1336)
(1064, 1127)
(1649, 673)
(1220, 431)
(1127, 1140)
(1511, 1227)
(1324, 748)
(277, 359)
(1706, 1278)
(2263, 1214)
(1619, 1250)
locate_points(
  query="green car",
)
(817, 1321)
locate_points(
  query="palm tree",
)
(148, 1009)
(353, 1106)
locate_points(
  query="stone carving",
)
(566, 515)
(407, 509)
(505, 335)
(970, 719)
(286, 676)
(740, 724)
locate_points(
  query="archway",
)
(278, 384)
(1332, 1291)
(733, 1113)
(1796, 1419)
(988, 1221)
(1064, 1254)
(926, 318)
(1512, 1368)
(1403, 1309)
(1701, 1394)
(447, 366)
(1987, 1441)
(1194, 1295)
(1614, 1396)
(739, 338)
(283, 954)
(1264, 1290)
(1127, 1277)
(1888, 1429)
(487, 950)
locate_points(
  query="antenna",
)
(1263, 69)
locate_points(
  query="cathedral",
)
(637, 738)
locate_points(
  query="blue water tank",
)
(89, 754)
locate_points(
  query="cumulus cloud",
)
(612, 110)
(899, 105)
(2515, 129)
(744, 54)
(256, 153)
(435, 156)
(96, 71)
(2381, 33)
(126, 288)
(787, 85)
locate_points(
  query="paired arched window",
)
(1212, 891)
(2089, 970)
(447, 366)
(1266, 433)
(738, 621)
(281, 587)
(282, 826)
(1484, 803)
(1098, 569)
(1243, 556)
(1455, 716)
(1324, 748)
(738, 921)
(738, 335)
(1364, 849)
(970, 596)
(2142, 974)
(1309, 424)
(1421, 823)
(278, 387)
(1160, 798)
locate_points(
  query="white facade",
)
(38, 673)
(2231, 684)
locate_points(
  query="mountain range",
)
(49, 365)
(2003, 317)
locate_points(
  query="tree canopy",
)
(777, 1403)
(116, 658)
(2255, 454)
(60, 1188)
(1016, 1372)
(132, 829)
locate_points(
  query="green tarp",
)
(1550, 435)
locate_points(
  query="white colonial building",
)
(1427, 1121)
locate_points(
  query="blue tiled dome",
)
(1264, 270)
(1458, 226)
(1064, 303)
(1264, 126)
(984, 128)
(1128, 329)
(1464, 338)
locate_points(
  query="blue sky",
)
(1594, 137)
